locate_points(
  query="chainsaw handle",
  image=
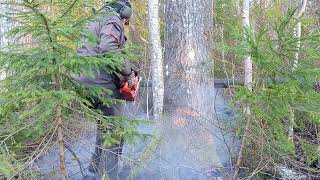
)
(129, 94)
(137, 84)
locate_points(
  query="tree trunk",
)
(295, 65)
(61, 143)
(247, 61)
(298, 33)
(156, 56)
(188, 42)
(248, 83)
(189, 128)
(59, 125)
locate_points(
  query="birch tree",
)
(248, 83)
(156, 56)
(297, 35)
(298, 32)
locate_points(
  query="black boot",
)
(96, 157)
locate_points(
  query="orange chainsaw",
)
(127, 93)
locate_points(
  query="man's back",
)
(109, 33)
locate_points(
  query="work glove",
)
(132, 78)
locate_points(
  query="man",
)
(109, 32)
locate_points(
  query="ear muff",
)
(126, 10)
(123, 8)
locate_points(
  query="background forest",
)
(261, 55)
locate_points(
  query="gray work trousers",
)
(106, 158)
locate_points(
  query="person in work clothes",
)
(109, 32)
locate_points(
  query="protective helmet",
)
(122, 7)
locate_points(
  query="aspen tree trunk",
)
(248, 83)
(295, 65)
(188, 42)
(156, 56)
(189, 87)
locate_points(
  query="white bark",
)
(291, 124)
(247, 61)
(295, 64)
(298, 36)
(298, 33)
(248, 83)
(302, 10)
(156, 56)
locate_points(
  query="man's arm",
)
(108, 42)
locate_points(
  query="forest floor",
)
(179, 150)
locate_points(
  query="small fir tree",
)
(38, 95)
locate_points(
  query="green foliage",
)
(279, 89)
(227, 27)
(311, 151)
(8, 165)
(39, 76)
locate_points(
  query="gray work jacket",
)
(109, 32)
